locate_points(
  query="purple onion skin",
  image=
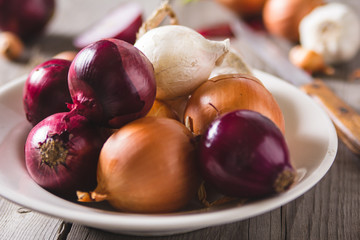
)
(26, 18)
(127, 34)
(243, 154)
(112, 83)
(77, 148)
(46, 90)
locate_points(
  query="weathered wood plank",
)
(17, 222)
(328, 211)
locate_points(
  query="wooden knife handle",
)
(345, 118)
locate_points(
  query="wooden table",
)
(330, 210)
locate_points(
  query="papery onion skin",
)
(243, 154)
(182, 58)
(226, 93)
(112, 83)
(26, 18)
(282, 17)
(61, 154)
(148, 166)
(46, 90)
(161, 109)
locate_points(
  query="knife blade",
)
(345, 119)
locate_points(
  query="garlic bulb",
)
(333, 31)
(182, 58)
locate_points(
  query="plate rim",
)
(173, 223)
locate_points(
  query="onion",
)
(222, 30)
(46, 90)
(11, 46)
(122, 23)
(226, 93)
(147, 166)
(182, 58)
(246, 8)
(161, 109)
(112, 83)
(25, 18)
(67, 55)
(309, 60)
(61, 154)
(282, 17)
(243, 154)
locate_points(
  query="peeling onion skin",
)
(148, 166)
(112, 83)
(46, 90)
(76, 147)
(243, 154)
(226, 93)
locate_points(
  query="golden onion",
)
(227, 93)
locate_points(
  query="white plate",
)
(310, 135)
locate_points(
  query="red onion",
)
(222, 30)
(243, 154)
(26, 18)
(122, 23)
(112, 83)
(46, 90)
(61, 154)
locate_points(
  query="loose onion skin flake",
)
(225, 93)
(46, 90)
(147, 166)
(61, 154)
(112, 83)
(243, 154)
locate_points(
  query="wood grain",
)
(344, 117)
(330, 210)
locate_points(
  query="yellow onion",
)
(226, 93)
(67, 55)
(147, 166)
(11, 46)
(161, 109)
(282, 17)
